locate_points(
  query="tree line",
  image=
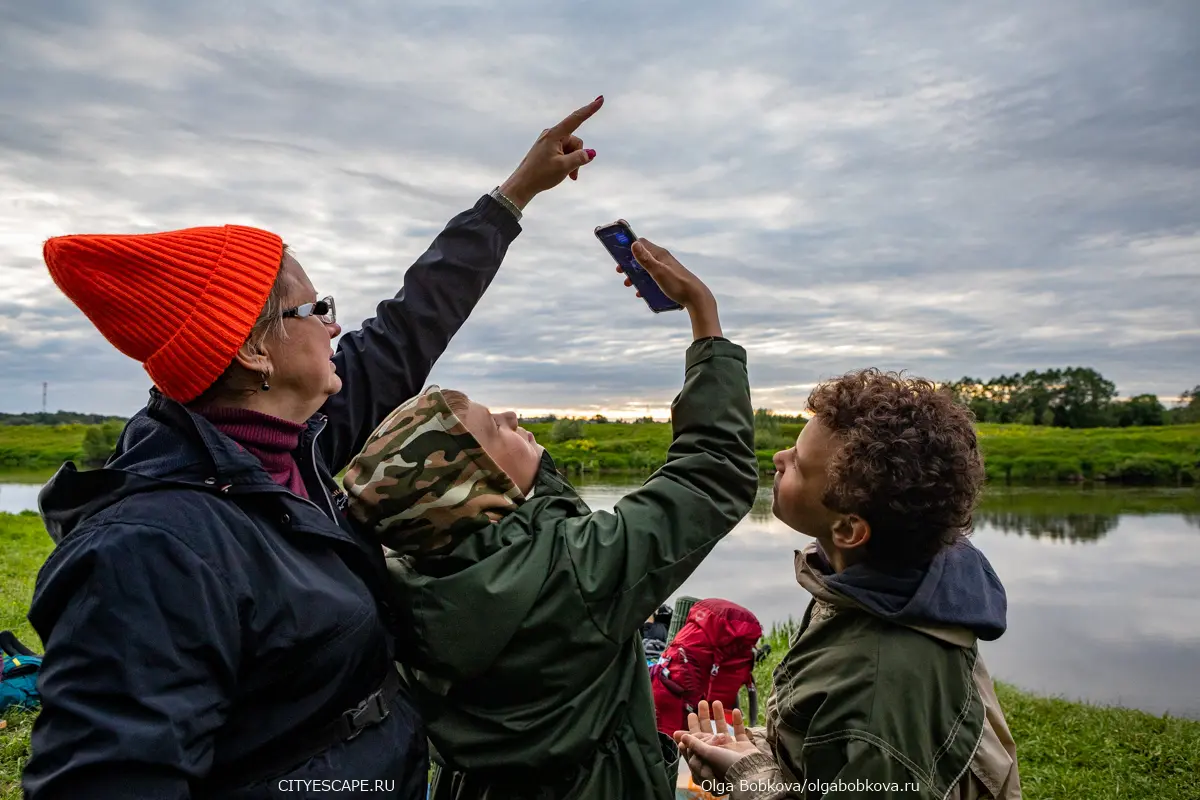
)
(1074, 397)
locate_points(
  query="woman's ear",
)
(256, 359)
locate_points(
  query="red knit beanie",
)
(180, 302)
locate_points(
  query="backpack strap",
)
(12, 646)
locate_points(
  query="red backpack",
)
(710, 658)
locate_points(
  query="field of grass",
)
(1166, 455)
(33, 447)
(1028, 453)
(1012, 453)
(1068, 750)
(24, 545)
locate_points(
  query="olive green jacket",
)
(863, 707)
(525, 656)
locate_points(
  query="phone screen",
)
(618, 239)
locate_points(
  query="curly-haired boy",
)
(883, 692)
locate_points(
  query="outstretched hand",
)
(709, 755)
(557, 154)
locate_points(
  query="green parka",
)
(866, 707)
(526, 658)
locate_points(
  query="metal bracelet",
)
(499, 197)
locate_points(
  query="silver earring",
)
(266, 387)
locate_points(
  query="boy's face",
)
(800, 481)
(512, 447)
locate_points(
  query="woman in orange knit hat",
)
(213, 625)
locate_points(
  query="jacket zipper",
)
(312, 461)
(276, 489)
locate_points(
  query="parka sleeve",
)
(838, 766)
(389, 359)
(629, 561)
(140, 664)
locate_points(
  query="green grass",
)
(1166, 455)
(1026, 453)
(1069, 750)
(24, 545)
(1065, 749)
(30, 447)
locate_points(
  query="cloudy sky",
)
(935, 187)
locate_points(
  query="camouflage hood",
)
(423, 482)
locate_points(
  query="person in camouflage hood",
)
(520, 606)
(423, 480)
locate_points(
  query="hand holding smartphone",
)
(618, 238)
(663, 282)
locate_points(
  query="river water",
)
(1103, 586)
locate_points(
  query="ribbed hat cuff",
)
(221, 318)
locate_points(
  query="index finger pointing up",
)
(577, 118)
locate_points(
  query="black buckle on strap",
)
(371, 711)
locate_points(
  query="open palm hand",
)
(710, 753)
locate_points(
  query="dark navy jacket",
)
(195, 613)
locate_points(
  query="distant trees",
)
(1188, 409)
(564, 430)
(1144, 409)
(99, 441)
(1075, 397)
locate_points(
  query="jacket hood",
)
(165, 445)
(958, 592)
(422, 482)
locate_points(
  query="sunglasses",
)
(323, 310)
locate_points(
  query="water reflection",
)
(1060, 527)
(1067, 515)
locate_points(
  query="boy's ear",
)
(851, 531)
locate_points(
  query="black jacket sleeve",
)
(139, 668)
(389, 359)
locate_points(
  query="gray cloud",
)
(942, 189)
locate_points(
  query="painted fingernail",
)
(591, 153)
(599, 97)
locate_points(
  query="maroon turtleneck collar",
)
(270, 439)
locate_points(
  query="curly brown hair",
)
(907, 461)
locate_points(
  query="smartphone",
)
(617, 238)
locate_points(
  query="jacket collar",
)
(810, 566)
(548, 481)
(228, 462)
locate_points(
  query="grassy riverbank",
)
(1066, 750)
(1163, 455)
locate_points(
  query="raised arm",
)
(390, 358)
(626, 562)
